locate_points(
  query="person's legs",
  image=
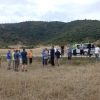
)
(25, 67)
(81, 53)
(58, 61)
(25, 64)
(70, 57)
(22, 67)
(13, 64)
(97, 57)
(43, 61)
(30, 60)
(17, 64)
(8, 63)
(89, 53)
(46, 62)
(51, 61)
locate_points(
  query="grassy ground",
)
(78, 79)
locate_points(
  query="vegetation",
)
(59, 33)
(78, 79)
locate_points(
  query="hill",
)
(38, 32)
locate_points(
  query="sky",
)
(13, 11)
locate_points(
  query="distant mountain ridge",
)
(59, 33)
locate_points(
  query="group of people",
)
(50, 57)
(53, 56)
(81, 48)
(19, 58)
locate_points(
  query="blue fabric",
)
(70, 47)
(16, 55)
(24, 55)
(43, 53)
(20, 56)
(8, 55)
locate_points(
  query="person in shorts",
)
(24, 60)
(57, 56)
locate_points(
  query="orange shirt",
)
(30, 55)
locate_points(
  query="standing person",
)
(74, 50)
(69, 53)
(20, 57)
(97, 50)
(30, 56)
(16, 57)
(81, 47)
(8, 60)
(89, 49)
(13, 60)
(71, 48)
(43, 52)
(57, 55)
(46, 54)
(52, 56)
(0, 59)
(24, 60)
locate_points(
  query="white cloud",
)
(12, 11)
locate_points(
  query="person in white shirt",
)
(97, 50)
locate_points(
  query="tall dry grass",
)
(78, 79)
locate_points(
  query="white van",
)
(85, 48)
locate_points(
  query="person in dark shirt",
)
(89, 49)
(52, 54)
(24, 60)
(57, 54)
(16, 58)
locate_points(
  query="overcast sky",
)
(12, 11)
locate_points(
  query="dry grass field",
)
(78, 79)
